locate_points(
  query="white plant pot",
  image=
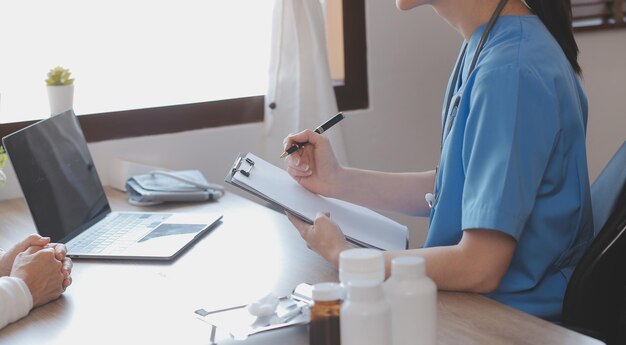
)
(61, 98)
(3, 178)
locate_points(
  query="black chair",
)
(595, 300)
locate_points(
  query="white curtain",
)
(300, 93)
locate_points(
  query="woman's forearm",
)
(397, 192)
(476, 264)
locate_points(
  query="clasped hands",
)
(42, 265)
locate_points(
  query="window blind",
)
(598, 14)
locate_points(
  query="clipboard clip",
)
(237, 166)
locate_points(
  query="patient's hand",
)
(7, 258)
(42, 272)
(60, 252)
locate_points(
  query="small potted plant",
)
(60, 90)
(3, 158)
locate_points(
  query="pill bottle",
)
(361, 264)
(365, 315)
(412, 297)
(324, 321)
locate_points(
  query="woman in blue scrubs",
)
(509, 204)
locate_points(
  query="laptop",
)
(67, 201)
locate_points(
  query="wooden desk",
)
(254, 251)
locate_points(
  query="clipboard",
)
(360, 225)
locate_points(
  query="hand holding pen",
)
(315, 168)
(319, 130)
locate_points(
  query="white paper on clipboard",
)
(360, 225)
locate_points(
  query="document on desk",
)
(361, 225)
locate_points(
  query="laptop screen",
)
(57, 175)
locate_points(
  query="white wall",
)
(602, 57)
(410, 55)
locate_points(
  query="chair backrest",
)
(595, 300)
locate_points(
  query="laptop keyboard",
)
(114, 234)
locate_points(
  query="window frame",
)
(614, 18)
(351, 95)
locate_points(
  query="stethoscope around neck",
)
(453, 101)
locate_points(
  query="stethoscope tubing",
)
(452, 105)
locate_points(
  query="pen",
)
(319, 130)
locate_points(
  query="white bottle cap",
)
(408, 267)
(327, 292)
(361, 263)
(365, 290)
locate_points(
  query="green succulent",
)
(3, 156)
(59, 76)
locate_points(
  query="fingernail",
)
(296, 161)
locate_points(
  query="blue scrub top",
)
(515, 161)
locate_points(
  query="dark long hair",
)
(556, 15)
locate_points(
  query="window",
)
(598, 14)
(183, 47)
(133, 54)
